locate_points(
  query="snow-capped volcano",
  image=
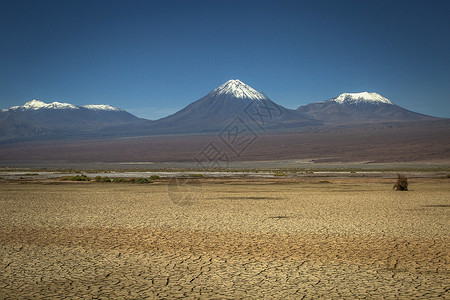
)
(37, 104)
(352, 98)
(233, 99)
(37, 119)
(357, 108)
(237, 89)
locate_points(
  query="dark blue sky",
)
(153, 58)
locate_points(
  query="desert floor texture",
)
(226, 239)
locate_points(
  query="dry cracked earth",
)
(226, 239)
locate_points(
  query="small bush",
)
(448, 175)
(81, 178)
(106, 179)
(118, 179)
(76, 178)
(154, 177)
(402, 183)
(141, 180)
(102, 179)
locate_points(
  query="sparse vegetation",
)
(401, 184)
(280, 174)
(102, 179)
(142, 180)
(196, 175)
(125, 179)
(106, 179)
(118, 179)
(76, 178)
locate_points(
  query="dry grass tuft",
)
(402, 183)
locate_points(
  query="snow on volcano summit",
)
(352, 98)
(238, 89)
(37, 104)
(101, 107)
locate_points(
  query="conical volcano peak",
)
(361, 97)
(237, 89)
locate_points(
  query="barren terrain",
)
(226, 239)
(379, 143)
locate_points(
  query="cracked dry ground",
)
(282, 239)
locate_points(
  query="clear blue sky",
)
(153, 58)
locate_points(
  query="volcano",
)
(230, 101)
(360, 108)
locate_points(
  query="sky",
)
(153, 58)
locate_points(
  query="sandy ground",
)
(226, 239)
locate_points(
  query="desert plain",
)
(216, 238)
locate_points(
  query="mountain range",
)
(232, 104)
(40, 120)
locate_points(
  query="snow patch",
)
(32, 105)
(59, 105)
(37, 104)
(352, 98)
(238, 89)
(101, 107)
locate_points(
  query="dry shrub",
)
(75, 178)
(402, 183)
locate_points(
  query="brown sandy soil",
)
(285, 239)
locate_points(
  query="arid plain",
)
(285, 238)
